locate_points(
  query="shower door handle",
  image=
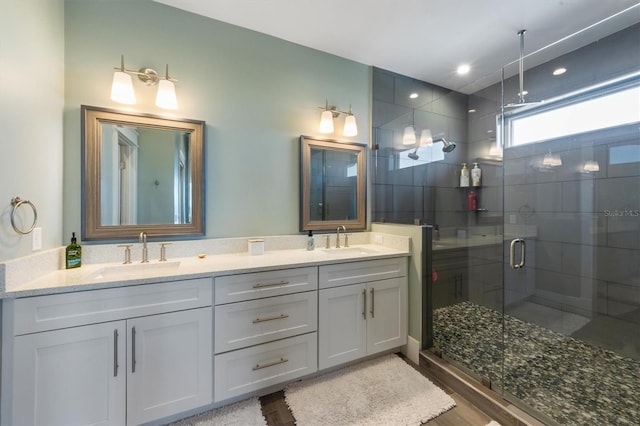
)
(512, 253)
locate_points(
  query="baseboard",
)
(412, 350)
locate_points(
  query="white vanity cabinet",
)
(265, 329)
(362, 309)
(120, 356)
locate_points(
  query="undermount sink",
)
(350, 250)
(135, 270)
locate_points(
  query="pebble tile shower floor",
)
(572, 382)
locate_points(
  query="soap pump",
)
(464, 176)
(73, 253)
(476, 175)
(311, 244)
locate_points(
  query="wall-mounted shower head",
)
(413, 154)
(448, 146)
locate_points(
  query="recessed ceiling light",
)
(471, 111)
(413, 95)
(463, 69)
(559, 71)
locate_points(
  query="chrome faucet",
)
(344, 228)
(145, 252)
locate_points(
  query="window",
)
(597, 108)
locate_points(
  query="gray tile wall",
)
(583, 259)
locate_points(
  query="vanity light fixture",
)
(591, 166)
(122, 86)
(425, 138)
(409, 136)
(329, 113)
(551, 160)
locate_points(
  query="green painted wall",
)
(257, 94)
(31, 107)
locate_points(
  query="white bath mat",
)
(382, 391)
(243, 413)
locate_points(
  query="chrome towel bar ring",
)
(17, 202)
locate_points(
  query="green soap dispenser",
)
(73, 254)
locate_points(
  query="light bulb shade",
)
(409, 136)
(166, 96)
(350, 127)
(326, 122)
(122, 88)
(425, 138)
(552, 160)
(591, 166)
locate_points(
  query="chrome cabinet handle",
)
(263, 285)
(373, 304)
(364, 306)
(512, 253)
(115, 353)
(270, 364)
(133, 349)
(277, 317)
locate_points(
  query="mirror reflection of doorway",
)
(124, 201)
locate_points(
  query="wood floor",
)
(277, 413)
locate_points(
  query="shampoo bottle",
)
(472, 201)
(73, 257)
(476, 175)
(464, 176)
(310, 241)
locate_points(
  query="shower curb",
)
(467, 387)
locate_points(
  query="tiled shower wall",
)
(583, 260)
(425, 192)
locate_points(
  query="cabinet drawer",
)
(241, 287)
(42, 313)
(257, 367)
(360, 272)
(242, 324)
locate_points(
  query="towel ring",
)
(17, 202)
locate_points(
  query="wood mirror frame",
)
(92, 227)
(307, 144)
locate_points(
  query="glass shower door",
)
(571, 259)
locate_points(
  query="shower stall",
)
(536, 290)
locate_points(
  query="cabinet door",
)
(342, 325)
(387, 321)
(74, 376)
(169, 366)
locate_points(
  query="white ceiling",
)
(427, 39)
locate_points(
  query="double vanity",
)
(146, 343)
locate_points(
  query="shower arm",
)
(521, 65)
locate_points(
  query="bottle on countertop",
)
(311, 244)
(464, 176)
(73, 254)
(476, 175)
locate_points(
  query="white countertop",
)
(115, 274)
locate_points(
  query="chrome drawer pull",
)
(281, 316)
(115, 353)
(270, 364)
(262, 285)
(373, 304)
(364, 299)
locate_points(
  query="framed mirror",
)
(141, 173)
(332, 185)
